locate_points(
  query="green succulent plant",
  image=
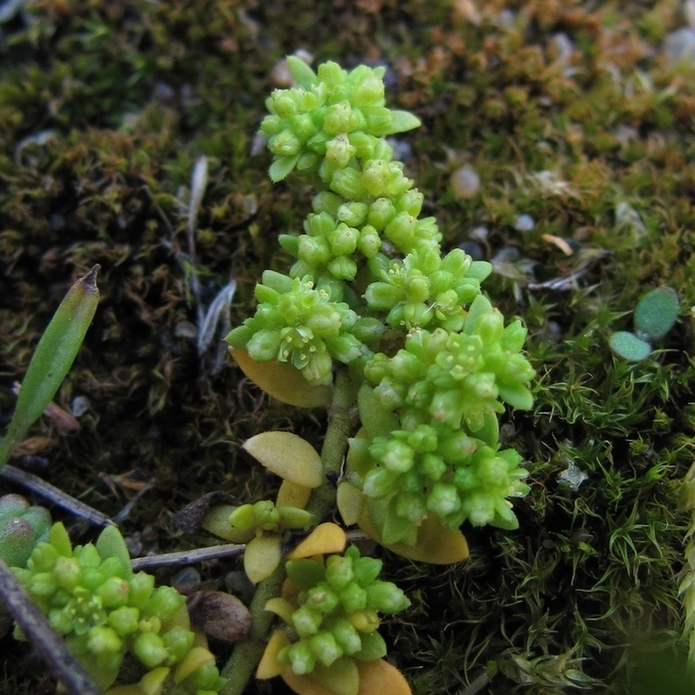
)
(104, 610)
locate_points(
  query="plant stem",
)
(342, 417)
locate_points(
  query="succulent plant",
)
(104, 610)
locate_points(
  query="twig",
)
(187, 557)
(35, 626)
(54, 495)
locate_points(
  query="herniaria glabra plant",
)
(414, 364)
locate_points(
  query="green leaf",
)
(656, 313)
(302, 73)
(629, 346)
(305, 573)
(341, 677)
(281, 167)
(402, 121)
(111, 544)
(52, 358)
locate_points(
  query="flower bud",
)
(43, 558)
(306, 621)
(353, 598)
(103, 640)
(165, 602)
(379, 482)
(443, 499)
(113, 592)
(346, 636)
(141, 587)
(178, 641)
(284, 144)
(322, 598)
(343, 268)
(325, 647)
(67, 572)
(267, 516)
(366, 570)
(124, 620)
(339, 571)
(364, 620)
(386, 597)
(302, 657)
(150, 649)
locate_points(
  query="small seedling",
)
(655, 315)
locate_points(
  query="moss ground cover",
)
(573, 135)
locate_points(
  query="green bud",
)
(366, 570)
(342, 268)
(348, 183)
(165, 602)
(43, 558)
(337, 119)
(124, 620)
(443, 499)
(325, 647)
(264, 345)
(113, 592)
(150, 649)
(302, 657)
(67, 572)
(386, 597)
(346, 636)
(61, 620)
(401, 231)
(42, 584)
(379, 482)
(267, 516)
(353, 598)
(322, 598)
(178, 641)
(284, 144)
(103, 640)
(343, 239)
(339, 571)
(307, 621)
(382, 296)
(141, 587)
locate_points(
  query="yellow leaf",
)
(350, 503)
(435, 543)
(269, 666)
(292, 495)
(379, 676)
(282, 607)
(283, 381)
(376, 677)
(325, 538)
(262, 556)
(288, 456)
(197, 657)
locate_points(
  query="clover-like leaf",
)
(282, 381)
(288, 456)
(629, 346)
(656, 313)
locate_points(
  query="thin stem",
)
(342, 418)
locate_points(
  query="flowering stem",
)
(342, 417)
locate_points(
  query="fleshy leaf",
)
(292, 495)
(656, 313)
(350, 501)
(325, 538)
(282, 381)
(217, 521)
(403, 121)
(111, 544)
(435, 544)
(629, 346)
(194, 659)
(280, 606)
(302, 73)
(269, 666)
(342, 676)
(375, 419)
(262, 556)
(288, 456)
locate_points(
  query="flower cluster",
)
(334, 611)
(442, 457)
(104, 610)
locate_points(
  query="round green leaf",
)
(656, 313)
